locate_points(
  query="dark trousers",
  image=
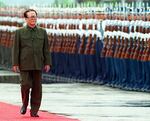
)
(31, 80)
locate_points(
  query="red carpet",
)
(10, 112)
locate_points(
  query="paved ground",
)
(86, 102)
(8, 76)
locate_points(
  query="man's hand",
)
(46, 68)
(16, 69)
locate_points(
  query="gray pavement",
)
(8, 76)
(87, 102)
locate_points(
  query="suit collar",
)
(29, 28)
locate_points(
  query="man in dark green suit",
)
(29, 56)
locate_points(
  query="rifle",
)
(145, 51)
(66, 43)
(125, 41)
(117, 46)
(120, 47)
(59, 46)
(63, 44)
(52, 47)
(56, 43)
(74, 48)
(7, 43)
(104, 49)
(3, 38)
(133, 48)
(82, 44)
(141, 50)
(50, 38)
(111, 48)
(12, 37)
(93, 50)
(71, 41)
(149, 50)
(136, 52)
(128, 51)
(88, 44)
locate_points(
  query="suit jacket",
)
(30, 48)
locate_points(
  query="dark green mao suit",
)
(30, 53)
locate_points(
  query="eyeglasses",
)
(32, 17)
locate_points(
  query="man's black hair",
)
(25, 13)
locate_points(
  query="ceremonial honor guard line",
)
(102, 45)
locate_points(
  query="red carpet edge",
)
(9, 112)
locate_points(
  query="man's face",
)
(31, 18)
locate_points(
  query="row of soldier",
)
(72, 51)
(93, 24)
(122, 51)
(126, 58)
(7, 35)
(118, 10)
(73, 42)
(86, 24)
(59, 41)
(127, 26)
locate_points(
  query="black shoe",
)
(23, 110)
(34, 115)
